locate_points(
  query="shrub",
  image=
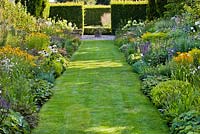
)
(186, 123)
(38, 8)
(174, 97)
(17, 17)
(37, 41)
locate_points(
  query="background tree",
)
(36, 8)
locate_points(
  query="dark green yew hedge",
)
(69, 11)
(121, 12)
(93, 14)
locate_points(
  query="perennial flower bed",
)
(33, 53)
(165, 52)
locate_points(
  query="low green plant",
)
(14, 124)
(156, 57)
(139, 66)
(42, 91)
(132, 58)
(186, 123)
(174, 97)
(150, 81)
(120, 41)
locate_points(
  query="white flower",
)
(54, 46)
(192, 28)
(48, 23)
(198, 67)
(70, 24)
(197, 23)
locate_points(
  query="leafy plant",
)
(186, 123)
(150, 81)
(42, 91)
(38, 41)
(14, 124)
(139, 66)
(174, 97)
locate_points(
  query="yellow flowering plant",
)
(11, 52)
(38, 41)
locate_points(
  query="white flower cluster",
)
(6, 64)
(193, 29)
(52, 49)
(193, 71)
(197, 23)
(43, 53)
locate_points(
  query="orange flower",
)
(183, 58)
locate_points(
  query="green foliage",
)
(37, 41)
(150, 81)
(186, 123)
(57, 67)
(174, 97)
(132, 58)
(154, 58)
(41, 89)
(93, 14)
(170, 10)
(15, 16)
(139, 66)
(124, 12)
(38, 8)
(73, 12)
(14, 124)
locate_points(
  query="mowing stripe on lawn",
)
(99, 94)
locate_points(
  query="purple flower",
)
(144, 48)
(4, 104)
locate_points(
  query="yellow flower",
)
(9, 51)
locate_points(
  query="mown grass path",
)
(99, 94)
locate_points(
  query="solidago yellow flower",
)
(8, 51)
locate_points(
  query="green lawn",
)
(99, 94)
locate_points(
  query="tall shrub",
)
(36, 7)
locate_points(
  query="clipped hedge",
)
(93, 14)
(125, 11)
(72, 12)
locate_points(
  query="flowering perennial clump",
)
(11, 52)
(184, 58)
